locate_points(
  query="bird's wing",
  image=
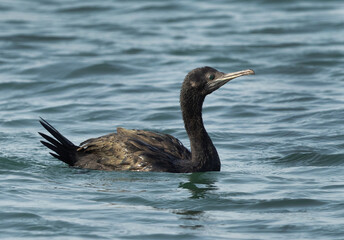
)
(133, 150)
(156, 141)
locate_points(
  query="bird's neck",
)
(203, 152)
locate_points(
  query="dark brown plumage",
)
(139, 150)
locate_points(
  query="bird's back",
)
(134, 150)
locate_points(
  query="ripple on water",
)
(311, 159)
(288, 204)
(84, 9)
(89, 67)
(34, 38)
(101, 69)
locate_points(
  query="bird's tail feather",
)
(63, 149)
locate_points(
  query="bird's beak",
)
(225, 78)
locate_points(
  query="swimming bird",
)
(140, 150)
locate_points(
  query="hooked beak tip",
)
(217, 83)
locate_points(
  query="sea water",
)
(90, 66)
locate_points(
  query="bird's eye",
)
(211, 77)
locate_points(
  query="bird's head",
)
(205, 80)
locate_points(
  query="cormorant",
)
(139, 150)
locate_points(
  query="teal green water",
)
(88, 67)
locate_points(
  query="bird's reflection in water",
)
(191, 219)
(199, 184)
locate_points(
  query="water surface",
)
(88, 67)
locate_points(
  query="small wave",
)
(100, 69)
(288, 203)
(4, 8)
(163, 116)
(49, 71)
(294, 70)
(160, 7)
(8, 164)
(221, 59)
(61, 108)
(133, 50)
(35, 38)
(334, 186)
(20, 215)
(309, 8)
(83, 9)
(278, 30)
(17, 85)
(311, 159)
